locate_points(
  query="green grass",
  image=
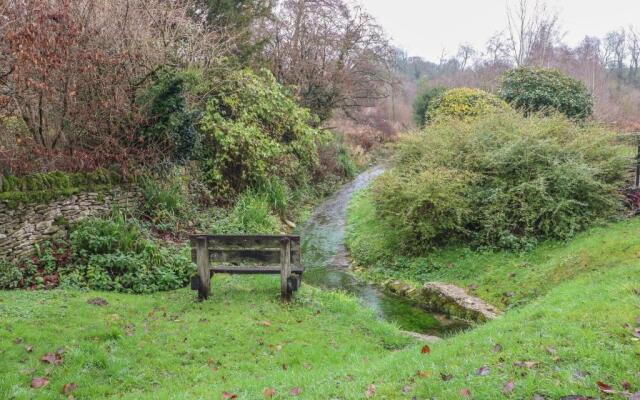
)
(169, 346)
(503, 278)
(166, 346)
(576, 333)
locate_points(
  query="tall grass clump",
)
(502, 181)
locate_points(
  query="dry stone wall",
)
(24, 225)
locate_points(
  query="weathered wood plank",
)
(266, 270)
(285, 271)
(202, 259)
(220, 242)
(251, 257)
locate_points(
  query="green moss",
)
(45, 187)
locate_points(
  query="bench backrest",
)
(248, 253)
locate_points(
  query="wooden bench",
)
(247, 254)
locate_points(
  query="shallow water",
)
(327, 265)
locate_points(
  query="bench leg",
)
(285, 269)
(204, 273)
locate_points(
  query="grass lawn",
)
(503, 278)
(166, 346)
(169, 346)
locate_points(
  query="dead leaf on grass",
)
(69, 387)
(268, 393)
(371, 391)
(483, 371)
(508, 387)
(39, 382)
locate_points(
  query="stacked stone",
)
(24, 226)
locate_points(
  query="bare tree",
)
(634, 52)
(333, 55)
(465, 53)
(616, 49)
(533, 29)
(497, 50)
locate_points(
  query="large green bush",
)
(423, 102)
(534, 90)
(464, 103)
(253, 130)
(501, 181)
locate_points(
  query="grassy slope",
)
(502, 278)
(176, 345)
(581, 321)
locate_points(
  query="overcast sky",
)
(427, 27)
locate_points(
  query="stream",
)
(327, 266)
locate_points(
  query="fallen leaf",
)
(497, 348)
(371, 391)
(18, 340)
(425, 349)
(604, 388)
(227, 395)
(28, 348)
(508, 387)
(626, 386)
(483, 371)
(295, 391)
(537, 396)
(552, 350)
(406, 389)
(526, 364)
(52, 358)
(423, 374)
(268, 393)
(39, 382)
(465, 392)
(68, 388)
(264, 323)
(446, 377)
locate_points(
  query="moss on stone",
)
(49, 186)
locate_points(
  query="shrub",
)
(252, 130)
(423, 102)
(464, 103)
(251, 214)
(164, 200)
(501, 181)
(114, 254)
(169, 122)
(534, 90)
(105, 236)
(10, 275)
(433, 200)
